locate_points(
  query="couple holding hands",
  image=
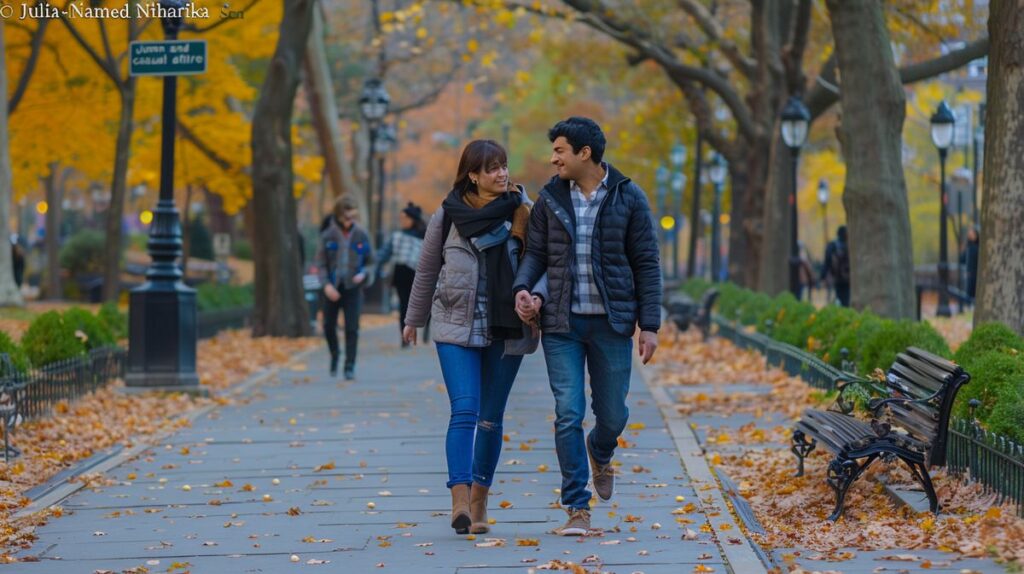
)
(582, 266)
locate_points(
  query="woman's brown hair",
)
(479, 155)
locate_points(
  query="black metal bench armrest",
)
(876, 404)
(846, 405)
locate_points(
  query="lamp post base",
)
(162, 334)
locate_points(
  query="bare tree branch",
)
(188, 135)
(820, 97)
(793, 53)
(30, 66)
(109, 71)
(714, 31)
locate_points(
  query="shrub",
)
(893, 337)
(97, 333)
(211, 296)
(753, 307)
(242, 249)
(1007, 417)
(730, 299)
(990, 371)
(988, 337)
(789, 319)
(860, 330)
(696, 287)
(825, 326)
(18, 358)
(82, 253)
(111, 316)
(49, 339)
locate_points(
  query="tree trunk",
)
(777, 219)
(875, 196)
(9, 293)
(51, 241)
(280, 309)
(118, 189)
(1001, 278)
(747, 219)
(320, 91)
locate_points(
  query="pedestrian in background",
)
(345, 263)
(836, 269)
(403, 247)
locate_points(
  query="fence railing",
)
(973, 454)
(994, 461)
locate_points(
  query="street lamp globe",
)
(717, 171)
(942, 127)
(823, 192)
(374, 100)
(678, 156)
(678, 182)
(661, 175)
(795, 119)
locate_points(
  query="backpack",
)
(840, 264)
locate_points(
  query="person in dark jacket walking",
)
(592, 232)
(345, 260)
(836, 268)
(969, 258)
(404, 247)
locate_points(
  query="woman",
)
(404, 246)
(464, 280)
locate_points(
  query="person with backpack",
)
(836, 269)
(464, 278)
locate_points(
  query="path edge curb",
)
(740, 558)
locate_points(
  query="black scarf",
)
(502, 320)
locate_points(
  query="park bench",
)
(683, 310)
(910, 420)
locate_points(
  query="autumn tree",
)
(1001, 279)
(279, 306)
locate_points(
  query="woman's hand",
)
(409, 335)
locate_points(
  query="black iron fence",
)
(973, 453)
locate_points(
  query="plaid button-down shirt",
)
(586, 299)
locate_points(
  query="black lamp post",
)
(661, 176)
(823, 194)
(678, 157)
(373, 104)
(942, 137)
(162, 312)
(691, 256)
(717, 172)
(795, 119)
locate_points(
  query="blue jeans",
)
(478, 380)
(607, 356)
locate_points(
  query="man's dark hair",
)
(841, 233)
(581, 132)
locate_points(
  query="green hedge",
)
(55, 336)
(993, 355)
(212, 297)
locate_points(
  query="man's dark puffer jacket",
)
(625, 256)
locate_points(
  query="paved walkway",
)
(354, 473)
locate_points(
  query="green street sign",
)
(167, 58)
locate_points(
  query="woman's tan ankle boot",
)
(478, 509)
(460, 508)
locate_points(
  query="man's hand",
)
(409, 335)
(331, 292)
(359, 278)
(525, 306)
(648, 344)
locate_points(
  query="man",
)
(344, 261)
(837, 266)
(591, 231)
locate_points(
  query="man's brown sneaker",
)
(603, 474)
(577, 525)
